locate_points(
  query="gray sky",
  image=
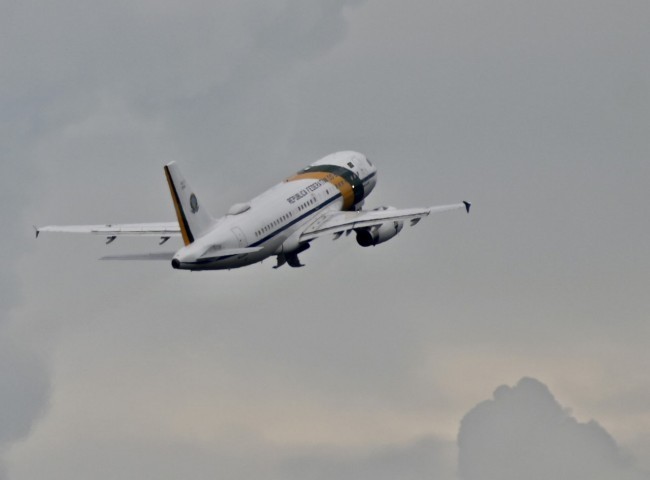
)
(363, 364)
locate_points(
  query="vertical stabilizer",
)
(193, 218)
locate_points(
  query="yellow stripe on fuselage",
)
(339, 182)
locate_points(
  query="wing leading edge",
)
(339, 222)
(164, 230)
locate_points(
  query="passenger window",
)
(350, 164)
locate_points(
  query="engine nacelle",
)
(369, 237)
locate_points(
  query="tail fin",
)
(193, 219)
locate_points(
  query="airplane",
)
(323, 199)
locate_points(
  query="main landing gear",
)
(291, 258)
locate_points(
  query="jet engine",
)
(371, 236)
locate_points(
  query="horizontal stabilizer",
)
(140, 256)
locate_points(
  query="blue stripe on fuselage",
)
(284, 227)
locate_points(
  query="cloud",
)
(448, 98)
(24, 392)
(425, 458)
(24, 383)
(523, 432)
(84, 87)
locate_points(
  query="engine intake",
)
(371, 236)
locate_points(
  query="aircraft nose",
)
(176, 263)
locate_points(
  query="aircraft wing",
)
(338, 222)
(163, 230)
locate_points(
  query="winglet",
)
(467, 205)
(36, 230)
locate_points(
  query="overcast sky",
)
(520, 330)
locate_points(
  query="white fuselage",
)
(275, 219)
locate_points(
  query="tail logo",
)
(194, 203)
